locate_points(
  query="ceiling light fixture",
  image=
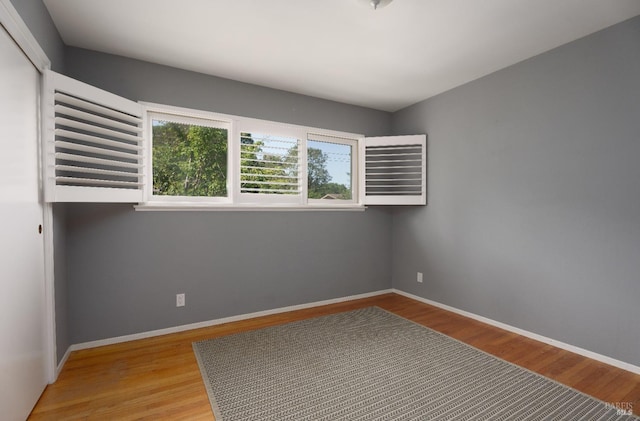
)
(376, 4)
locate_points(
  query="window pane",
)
(189, 160)
(329, 170)
(268, 164)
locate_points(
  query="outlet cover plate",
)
(180, 300)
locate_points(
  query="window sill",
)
(213, 207)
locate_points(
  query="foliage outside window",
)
(189, 159)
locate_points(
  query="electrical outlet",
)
(419, 278)
(179, 300)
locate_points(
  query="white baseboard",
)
(577, 350)
(568, 347)
(198, 325)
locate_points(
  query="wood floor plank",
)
(158, 378)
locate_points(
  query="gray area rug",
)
(370, 364)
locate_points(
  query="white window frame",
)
(236, 200)
(186, 116)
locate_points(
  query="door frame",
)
(12, 22)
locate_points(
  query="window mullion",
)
(233, 169)
(361, 178)
(148, 153)
(302, 172)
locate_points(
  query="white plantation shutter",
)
(395, 170)
(93, 143)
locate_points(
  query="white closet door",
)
(22, 287)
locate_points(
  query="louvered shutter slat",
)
(95, 161)
(97, 120)
(95, 108)
(97, 182)
(96, 129)
(62, 145)
(61, 134)
(86, 170)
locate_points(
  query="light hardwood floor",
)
(158, 378)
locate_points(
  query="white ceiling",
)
(336, 49)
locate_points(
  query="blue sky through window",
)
(338, 160)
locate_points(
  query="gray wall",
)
(143, 81)
(37, 18)
(534, 196)
(125, 267)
